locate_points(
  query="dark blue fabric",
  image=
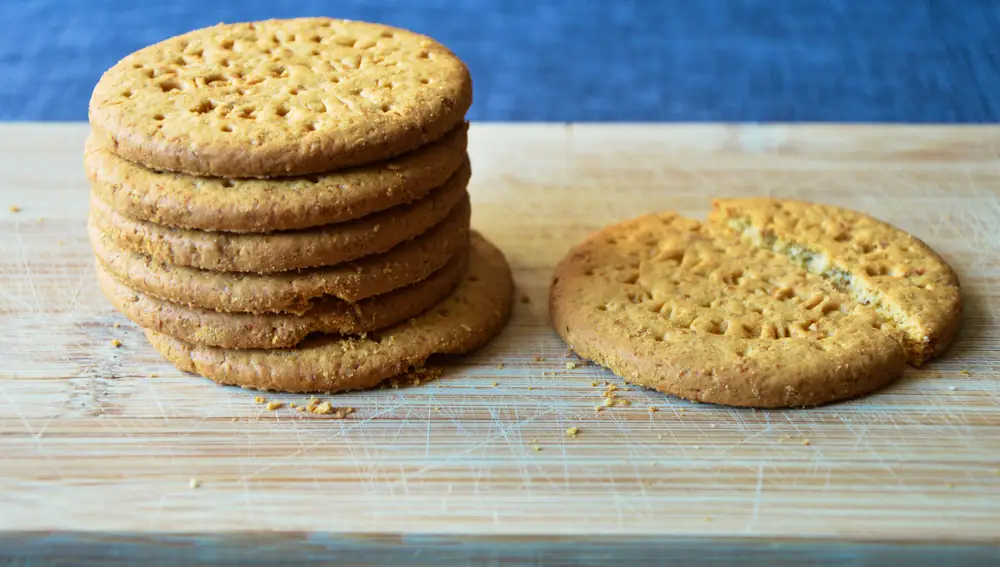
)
(566, 60)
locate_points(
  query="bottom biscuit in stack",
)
(465, 320)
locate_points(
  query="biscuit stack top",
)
(280, 98)
(259, 183)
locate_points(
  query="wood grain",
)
(101, 440)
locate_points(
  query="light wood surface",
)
(101, 442)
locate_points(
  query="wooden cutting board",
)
(100, 444)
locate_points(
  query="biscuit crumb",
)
(570, 365)
(536, 448)
(653, 409)
(594, 384)
(598, 409)
(806, 442)
(437, 408)
(500, 365)
(964, 372)
(624, 402)
(525, 298)
(949, 485)
(323, 408)
(15, 209)
(608, 402)
(292, 405)
(274, 405)
(259, 399)
(495, 384)
(194, 483)
(117, 325)
(711, 426)
(531, 387)
(952, 388)
(573, 431)
(116, 343)
(539, 359)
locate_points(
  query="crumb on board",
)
(594, 384)
(624, 402)
(292, 405)
(326, 408)
(531, 387)
(117, 325)
(806, 442)
(116, 343)
(538, 359)
(194, 483)
(536, 448)
(573, 431)
(964, 372)
(653, 409)
(525, 298)
(274, 405)
(259, 399)
(570, 365)
(495, 384)
(323, 408)
(598, 409)
(608, 402)
(15, 209)
(500, 365)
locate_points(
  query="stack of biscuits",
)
(282, 205)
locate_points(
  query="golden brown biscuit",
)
(266, 205)
(699, 312)
(281, 330)
(281, 251)
(464, 321)
(279, 98)
(291, 292)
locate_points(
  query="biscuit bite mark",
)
(916, 294)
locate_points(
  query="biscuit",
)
(293, 291)
(465, 320)
(279, 98)
(894, 272)
(266, 205)
(280, 251)
(704, 313)
(244, 330)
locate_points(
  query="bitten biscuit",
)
(702, 312)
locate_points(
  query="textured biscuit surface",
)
(279, 97)
(265, 205)
(894, 272)
(280, 251)
(701, 312)
(463, 321)
(244, 330)
(294, 291)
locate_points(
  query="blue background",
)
(564, 60)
